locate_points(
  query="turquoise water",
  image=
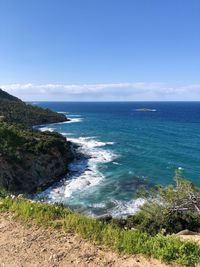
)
(126, 149)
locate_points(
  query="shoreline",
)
(83, 175)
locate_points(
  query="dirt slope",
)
(27, 247)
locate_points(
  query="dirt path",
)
(27, 247)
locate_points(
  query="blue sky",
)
(100, 49)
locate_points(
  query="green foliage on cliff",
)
(169, 249)
(15, 140)
(4, 95)
(24, 152)
(14, 110)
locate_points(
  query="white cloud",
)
(104, 91)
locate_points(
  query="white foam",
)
(116, 163)
(89, 142)
(101, 205)
(180, 168)
(66, 134)
(72, 120)
(74, 115)
(43, 129)
(84, 172)
(123, 208)
(89, 177)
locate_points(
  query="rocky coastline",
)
(36, 171)
(30, 160)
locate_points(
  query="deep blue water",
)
(127, 149)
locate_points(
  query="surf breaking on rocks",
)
(84, 171)
(85, 175)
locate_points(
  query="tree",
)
(184, 197)
(172, 208)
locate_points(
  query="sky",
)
(100, 50)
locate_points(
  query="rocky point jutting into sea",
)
(30, 159)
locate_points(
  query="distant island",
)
(29, 159)
(145, 110)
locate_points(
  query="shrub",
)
(170, 209)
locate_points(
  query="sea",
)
(127, 146)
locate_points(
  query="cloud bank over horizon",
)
(135, 91)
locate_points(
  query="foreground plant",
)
(169, 209)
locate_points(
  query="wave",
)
(73, 115)
(43, 129)
(145, 110)
(89, 143)
(116, 163)
(62, 112)
(115, 208)
(66, 134)
(124, 208)
(84, 172)
(72, 120)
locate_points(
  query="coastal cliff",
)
(30, 159)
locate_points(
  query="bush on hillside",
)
(168, 209)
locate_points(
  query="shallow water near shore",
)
(124, 149)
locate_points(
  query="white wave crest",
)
(72, 120)
(62, 112)
(89, 142)
(86, 170)
(123, 208)
(43, 129)
(66, 134)
(74, 115)
(84, 173)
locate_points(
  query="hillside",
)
(29, 159)
(14, 110)
(4, 95)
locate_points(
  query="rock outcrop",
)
(35, 171)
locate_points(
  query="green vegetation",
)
(168, 209)
(169, 249)
(29, 159)
(13, 110)
(6, 96)
(16, 139)
(19, 112)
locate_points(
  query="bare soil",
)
(31, 246)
